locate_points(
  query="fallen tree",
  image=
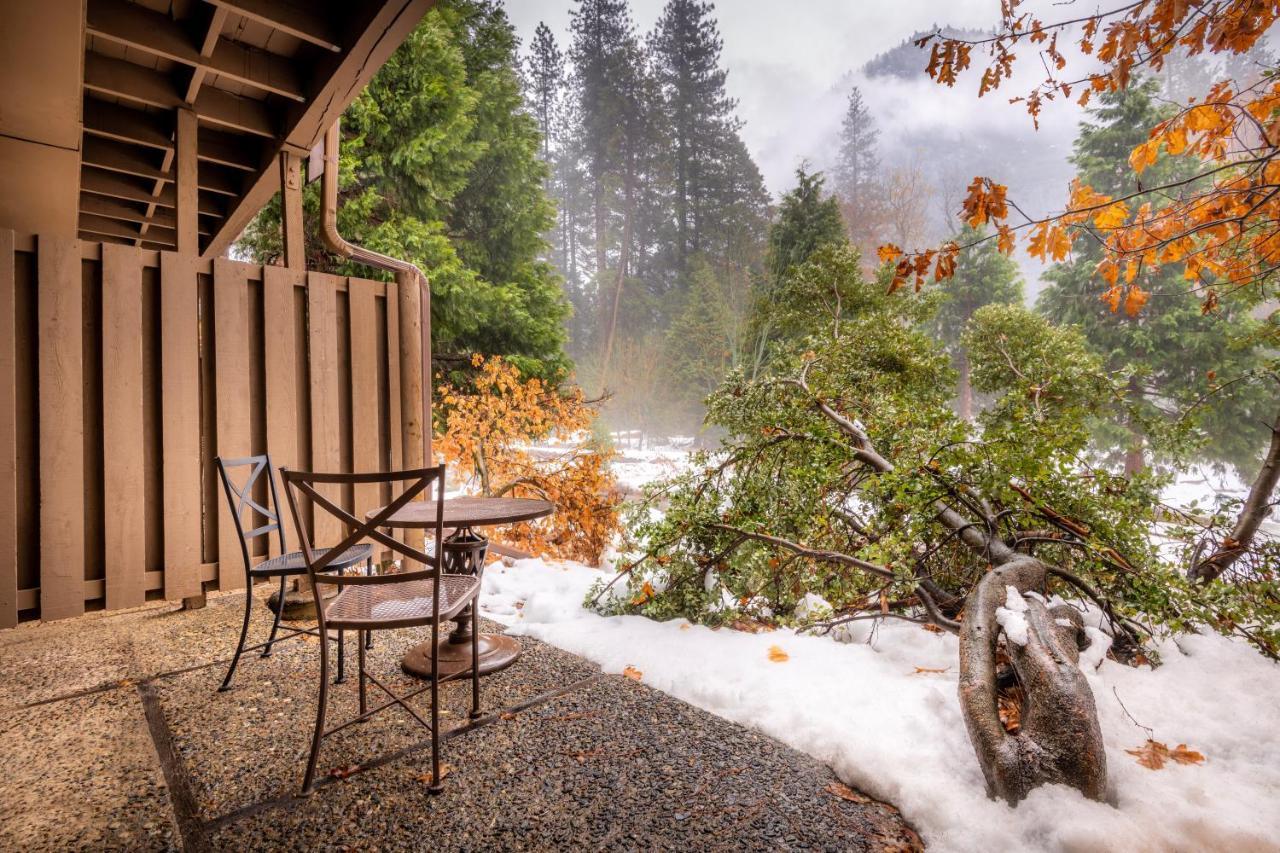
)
(846, 477)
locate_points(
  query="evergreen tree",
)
(983, 276)
(699, 116)
(439, 165)
(857, 162)
(807, 219)
(1171, 352)
(545, 66)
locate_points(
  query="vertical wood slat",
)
(280, 351)
(122, 426)
(8, 435)
(180, 428)
(231, 368)
(393, 377)
(61, 379)
(185, 187)
(322, 352)
(364, 390)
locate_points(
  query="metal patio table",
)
(463, 553)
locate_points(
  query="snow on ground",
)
(896, 732)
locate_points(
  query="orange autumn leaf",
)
(928, 670)
(645, 593)
(777, 655)
(888, 253)
(632, 673)
(1134, 300)
(1153, 755)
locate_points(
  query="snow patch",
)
(886, 729)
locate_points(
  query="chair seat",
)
(293, 564)
(399, 605)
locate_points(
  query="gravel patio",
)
(115, 738)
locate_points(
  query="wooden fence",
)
(124, 371)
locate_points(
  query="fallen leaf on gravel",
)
(633, 673)
(777, 655)
(921, 670)
(844, 792)
(445, 770)
(507, 715)
(344, 771)
(1153, 755)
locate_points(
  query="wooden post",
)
(413, 382)
(186, 186)
(8, 435)
(295, 250)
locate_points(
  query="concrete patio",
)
(115, 738)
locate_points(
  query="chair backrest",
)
(418, 481)
(240, 497)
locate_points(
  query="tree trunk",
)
(611, 327)
(1135, 459)
(1060, 740)
(1257, 506)
(964, 389)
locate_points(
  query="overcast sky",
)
(786, 60)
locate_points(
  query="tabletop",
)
(469, 512)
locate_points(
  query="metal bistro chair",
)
(287, 564)
(420, 597)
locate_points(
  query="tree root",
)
(1060, 740)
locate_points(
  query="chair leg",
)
(361, 640)
(275, 623)
(342, 657)
(435, 787)
(244, 632)
(475, 659)
(309, 779)
(368, 570)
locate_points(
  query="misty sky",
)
(789, 63)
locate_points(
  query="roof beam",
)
(120, 79)
(128, 160)
(113, 209)
(153, 131)
(120, 186)
(295, 19)
(156, 33)
(379, 27)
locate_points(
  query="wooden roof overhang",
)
(246, 79)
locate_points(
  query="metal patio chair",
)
(419, 597)
(287, 564)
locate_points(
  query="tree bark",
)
(1257, 506)
(1060, 740)
(964, 389)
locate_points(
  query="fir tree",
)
(545, 69)
(807, 219)
(1171, 352)
(857, 163)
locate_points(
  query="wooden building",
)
(137, 139)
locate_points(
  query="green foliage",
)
(439, 166)
(787, 470)
(1171, 354)
(807, 219)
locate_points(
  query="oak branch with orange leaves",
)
(1222, 224)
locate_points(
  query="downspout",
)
(405, 271)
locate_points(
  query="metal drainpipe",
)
(335, 243)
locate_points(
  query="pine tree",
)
(545, 69)
(857, 163)
(699, 114)
(983, 276)
(1171, 351)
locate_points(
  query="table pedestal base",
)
(496, 653)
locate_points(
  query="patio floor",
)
(114, 737)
